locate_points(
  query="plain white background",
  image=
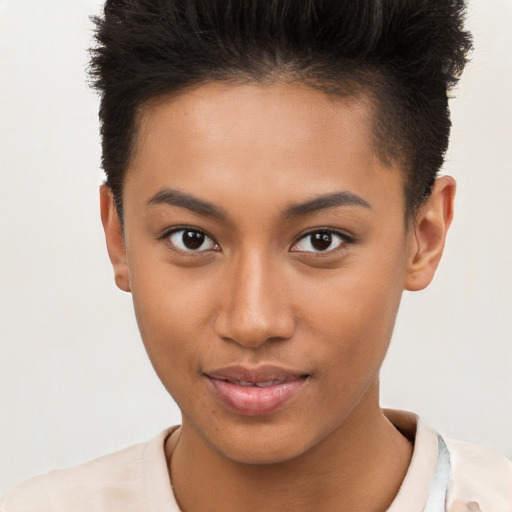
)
(74, 379)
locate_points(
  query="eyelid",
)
(175, 229)
(347, 239)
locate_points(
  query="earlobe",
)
(427, 237)
(114, 238)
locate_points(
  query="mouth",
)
(256, 384)
(255, 392)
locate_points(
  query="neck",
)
(358, 466)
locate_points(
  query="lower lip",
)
(255, 401)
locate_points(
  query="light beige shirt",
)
(444, 475)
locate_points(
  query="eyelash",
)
(345, 239)
(166, 237)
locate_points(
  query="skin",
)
(260, 294)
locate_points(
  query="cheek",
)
(352, 299)
(353, 310)
(172, 314)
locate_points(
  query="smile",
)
(255, 392)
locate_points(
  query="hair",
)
(405, 55)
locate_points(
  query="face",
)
(266, 251)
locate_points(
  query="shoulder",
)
(479, 475)
(109, 483)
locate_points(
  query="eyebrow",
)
(324, 202)
(173, 197)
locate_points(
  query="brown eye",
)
(320, 241)
(191, 240)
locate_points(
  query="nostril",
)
(253, 331)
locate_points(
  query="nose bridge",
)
(255, 304)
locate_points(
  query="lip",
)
(255, 391)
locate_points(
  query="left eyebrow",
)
(324, 202)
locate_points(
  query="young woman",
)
(271, 191)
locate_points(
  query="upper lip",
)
(265, 373)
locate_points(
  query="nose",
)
(256, 306)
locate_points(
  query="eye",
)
(324, 240)
(191, 240)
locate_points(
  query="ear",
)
(427, 236)
(114, 238)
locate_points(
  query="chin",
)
(260, 444)
(260, 454)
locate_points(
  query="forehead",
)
(230, 139)
(275, 116)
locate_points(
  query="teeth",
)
(266, 384)
(256, 384)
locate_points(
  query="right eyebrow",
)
(174, 197)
